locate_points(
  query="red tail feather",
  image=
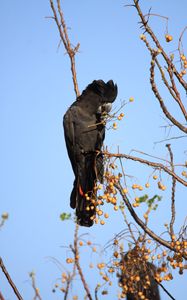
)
(81, 191)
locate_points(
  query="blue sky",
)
(36, 90)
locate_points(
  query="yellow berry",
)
(100, 212)
(131, 99)
(134, 186)
(163, 188)
(102, 222)
(116, 254)
(137, 278)
(114, 125)
(147, 185)
(142, 37)
(168, 38)
(4, 216)
(183, 57)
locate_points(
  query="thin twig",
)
(76, 256)
(157, 43)
(172, 138)
(152, 156)
(36, 290)
(142, 224)
(69, 279)
(3, 268)
(173, 90)
(158, 96)
(166, 291)
(173, 212)
(149, 163)
(1, 296)
(65, 39)
(180, 40)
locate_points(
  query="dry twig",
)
(75, 251)
(173, 212)
(65, 39)
(142, 224)
(149, 163)
(1, 296)
(4, 270)
(157, 43)
(36, 290)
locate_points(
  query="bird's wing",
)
(69, 134)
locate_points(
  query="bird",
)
(84, 133)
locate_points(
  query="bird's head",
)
(108, 91)
(99, 96)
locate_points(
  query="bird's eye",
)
(107, 107)
(99, 111)
(104, 109)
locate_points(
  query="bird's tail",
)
(83, 202)
(83, 196)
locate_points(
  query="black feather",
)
(84, 139)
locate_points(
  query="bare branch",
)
(149, 163)
(173, 212)
(65, 39)
(161, 101)
(141, 223)
(76, 256)
(172, 138)
(1, 296)
(157, 43)
(180, 40)
(36, 290)
(4, 270)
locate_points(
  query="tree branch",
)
(65, 39)
(142, 224)
(157, 43)
(36, 290)
(1, 296)
(4, 270)
(158, 96)
(76, 256)
(149, 163)
(173, 212)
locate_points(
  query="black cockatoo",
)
(84, 135)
